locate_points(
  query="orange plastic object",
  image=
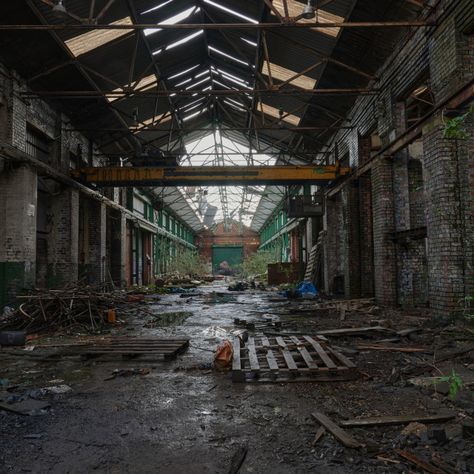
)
(224, 354)
(111, 316)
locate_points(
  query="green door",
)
(232, 254)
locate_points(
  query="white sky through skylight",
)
(216, 149)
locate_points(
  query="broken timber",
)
(345, 438)
(289, 359)
(396, 420)
(133, 347)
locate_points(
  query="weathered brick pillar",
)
(385, 267)
(63, 241)
(366, 236)
(118, 247)
(350, 247)
(96, 241)
(18, 201)
(448, 167)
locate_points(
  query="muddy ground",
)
(184, 417)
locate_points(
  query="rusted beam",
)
(217, 92)
(209, 175)
(220, 26)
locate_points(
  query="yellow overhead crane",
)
(210, 175)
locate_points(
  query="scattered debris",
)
(25, 407)
(380, 347)
(12, 338)
(345, 438)
(319, 434)
(238, 459)
(224, 354)
(396, 420)
(128, 373)
(422, 464)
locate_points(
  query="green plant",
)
(454, 128)
(257, 263)
(188, 262)
(455, 383)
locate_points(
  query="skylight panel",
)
(232, 12)
(86, 42)
(234, 101)
(206, 71)
(199, 82)
(228, 74)
(241, 84)
(184, 40)
(183, 72)
(274, 112)
(283, 74)
(158, 51)
(191, 108)
(173, 20)
(222, 53)
(163, 118)
(195, 114)
(295, 8)
(156, 8)
(251, 43)
(183, 82)
(192, 103)
(220, 83)
(142, 85)
(234, 106)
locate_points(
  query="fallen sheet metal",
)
(289, 359)
(134, 347)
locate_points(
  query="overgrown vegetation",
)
(467, 308)
(257, 263)
(455, 383)
(188, 262)
(454, 128)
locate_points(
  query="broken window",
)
(229, 56)
(283, 74)
(419, 102)
(142, 85)
(232, 12)
(173, 20)
(295, 8)
(279, 114)
(93, 39)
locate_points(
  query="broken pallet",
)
(289, 359)
(133, 347)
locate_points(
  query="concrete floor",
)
(184, 417)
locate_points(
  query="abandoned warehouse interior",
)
(242, 231)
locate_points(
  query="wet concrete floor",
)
(184, 417)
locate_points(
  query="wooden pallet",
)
(289, 359)
(134, 347)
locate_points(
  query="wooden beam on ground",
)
(396, 420)
(345, 438)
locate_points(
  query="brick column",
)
(385, 268)
(96, 241)
(118, 247)
(366, 236)
(350, 241)
(18, 201)
(448, 166)
(63, 241)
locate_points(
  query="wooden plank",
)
(380, 347)
(272, 362)
(253, 359)
(347, 362)
(356, 331)
(345, 438)
(236, 364)
(321, 352)
(424, 465)
(304, 353)
(290, 362)
(397, 420)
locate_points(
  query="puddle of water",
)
(168, 319)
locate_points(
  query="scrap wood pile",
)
(70, 308)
